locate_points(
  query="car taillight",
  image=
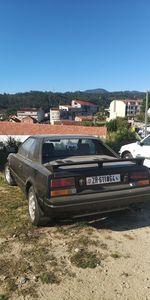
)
(63, 187)
(139, 175)
(140, 178)
(62, 182)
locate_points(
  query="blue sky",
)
(69, 45)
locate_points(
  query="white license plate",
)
(103, 179)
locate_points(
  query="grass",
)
(40, 253)
(82, 242)
(49, 278)
(116, 255)
(85, 259)
(4, 297)
(73, 228)
(13, 209)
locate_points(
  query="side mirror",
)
(140, 143)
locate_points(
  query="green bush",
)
(119, 133)
(6, 148)
(117, 124)
(117, 139)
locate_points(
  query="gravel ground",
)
(105, 258)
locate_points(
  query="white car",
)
(137, 149)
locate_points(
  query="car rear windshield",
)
(62, 148)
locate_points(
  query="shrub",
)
(117, 124)
(117, 139)
(6, 148)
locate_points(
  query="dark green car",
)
(75, 175)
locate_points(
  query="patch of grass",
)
(103, 246)
(13, 268)
(11, 285)
(82, 242)
(74, 227)
(116, 255)
(85, 259)
(49, 278)
(29, 291)
(39, 258)
(4, 297)
(80, 225)
(5, 247)
(13, 210)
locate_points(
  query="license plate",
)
(103, 179)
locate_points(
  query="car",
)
(137, 149)
(67, 176)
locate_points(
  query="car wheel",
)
(35, 212)
(8, 177)
(127, 155)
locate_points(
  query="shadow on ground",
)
(132, 218)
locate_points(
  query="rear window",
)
(62, 148)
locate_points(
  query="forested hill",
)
(12, 102)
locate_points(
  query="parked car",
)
(75, 175)
(137, 149)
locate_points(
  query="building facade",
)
(84, 107)
(124, 108)
(36, 113)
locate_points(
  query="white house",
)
(117, 109)
(37, 113)
(124, 108)
(54, 115)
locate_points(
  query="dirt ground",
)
(95, 258)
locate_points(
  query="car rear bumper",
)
(77, 205)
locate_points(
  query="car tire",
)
(8, 176)
(127, 155)
(35, 213)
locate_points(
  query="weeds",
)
(49, 278)
(116, 255)
(4, 297)
(85, 259)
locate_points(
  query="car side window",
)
(146, 142)
(28, 149)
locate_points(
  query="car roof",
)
(56, 136)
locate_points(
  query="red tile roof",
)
(9, 128)
(84, 102)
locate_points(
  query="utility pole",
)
(146, 109)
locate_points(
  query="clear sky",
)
(69, 45)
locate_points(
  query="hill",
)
(12, 102)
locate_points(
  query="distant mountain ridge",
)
(102, 91)
(96, 91)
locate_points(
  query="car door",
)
(22, 164)
(143, 148)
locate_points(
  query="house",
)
(116, 109)
(29, 120)
(133, 107)
(37, 113)
(124, 108)
(67, 112)
(14, 119)
(84, 107)
(54, 115)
